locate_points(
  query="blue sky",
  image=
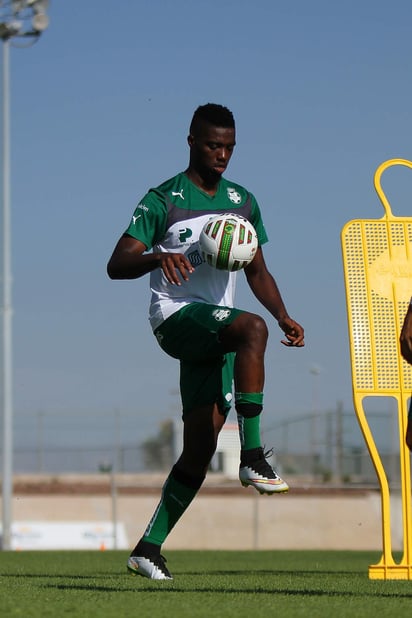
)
(101, 105)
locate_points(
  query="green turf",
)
(207, 584)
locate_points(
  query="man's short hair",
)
(212, 114)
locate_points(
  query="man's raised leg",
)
(247, 336)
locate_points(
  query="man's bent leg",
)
(247, 336)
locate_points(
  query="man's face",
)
(211, 149)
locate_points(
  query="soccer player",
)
(193, 318)
(406, 351)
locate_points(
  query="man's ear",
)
(190, 139)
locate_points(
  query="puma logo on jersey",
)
(135, 219)
(178, 194)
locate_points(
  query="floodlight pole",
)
(6, 306)
(15, 15)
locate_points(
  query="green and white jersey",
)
(169, 219)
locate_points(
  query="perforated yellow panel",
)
(377, 260)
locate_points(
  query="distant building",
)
(227, 456)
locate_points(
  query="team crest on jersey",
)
(221, 314)
(233, 195)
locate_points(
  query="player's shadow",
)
(50, 575)
(171, 588)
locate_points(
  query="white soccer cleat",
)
(152, 568)
(260, 475)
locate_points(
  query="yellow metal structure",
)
(377, 260)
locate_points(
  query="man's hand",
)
(294, 333)
(408, 437)
(175, 267)
(405, 338)
(129, 261)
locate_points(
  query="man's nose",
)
(223, 154)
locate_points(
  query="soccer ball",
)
(228, 242)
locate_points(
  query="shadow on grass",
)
(173, 589)
(104, 575)
(217, 573)
(245, 572)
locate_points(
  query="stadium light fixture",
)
(28, 19)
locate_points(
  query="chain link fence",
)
(322, 447)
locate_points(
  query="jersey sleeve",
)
(148, 223)
(256, 219)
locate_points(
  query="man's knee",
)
(259, 327)
(246, 328)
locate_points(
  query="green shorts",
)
(206, 372)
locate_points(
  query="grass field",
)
(207, 584)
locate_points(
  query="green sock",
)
(248, 408)
(249, 432)
(175, 499)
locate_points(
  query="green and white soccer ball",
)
(228, 242)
